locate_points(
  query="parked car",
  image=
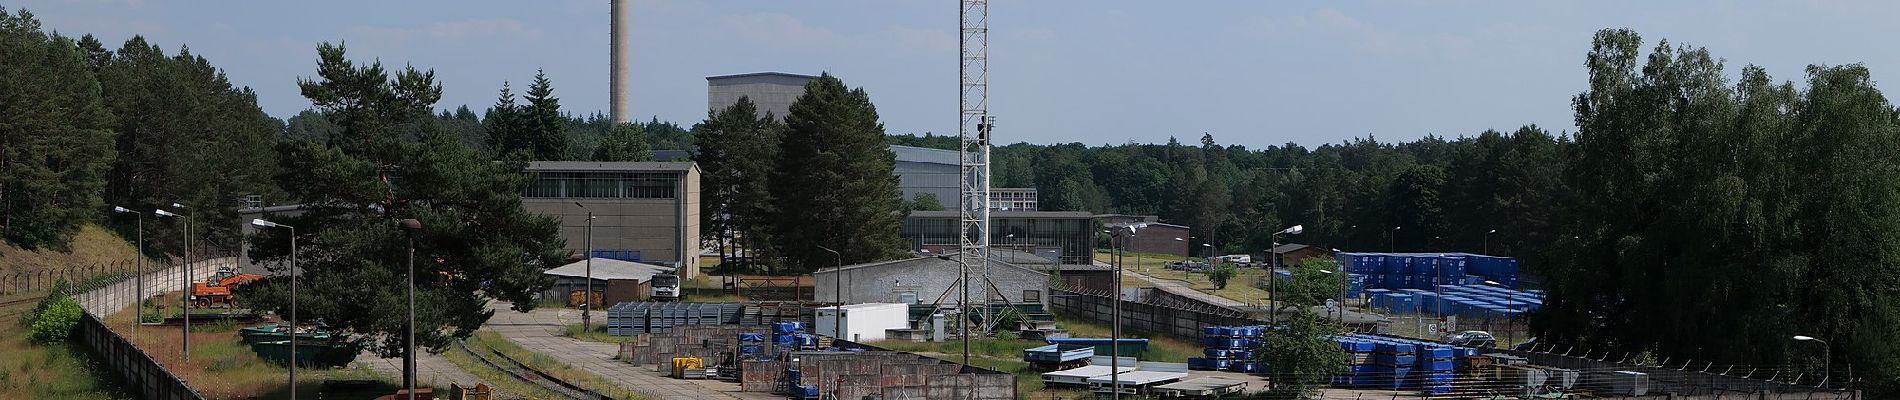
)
(1472, 339)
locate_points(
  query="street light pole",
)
(1510, 296)
(411, 226)
(1273, 266)
(1827, 358)
(1487, 241)
(184, 337)
(138, 298)
(587, 298)
(1392, 239)
(837, 294)
(293, 299)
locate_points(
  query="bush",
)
(61, 290)
(1221, 274)
(57, 322)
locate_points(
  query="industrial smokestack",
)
(617, 84)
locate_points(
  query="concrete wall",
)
(772, 93)
(663, 230)
(928, 277)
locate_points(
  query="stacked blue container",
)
(1434, 368)
(1397, 363)
(1229, 348)
(1360, 372)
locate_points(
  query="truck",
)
(666, 287)
(217, 288)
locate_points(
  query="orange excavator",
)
(217, 290)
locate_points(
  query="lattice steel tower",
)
(973, 132)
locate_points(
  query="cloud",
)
(775, 30)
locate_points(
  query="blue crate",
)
(1434, 352)
(1244, 366)
(1198, 364)
(792, 375)
(751, 337)
(1354, 346)
(1220, 364)
(1434, 365)
(1361, 369)
(1439, 389)
(1215, 353)
(1395, 348)
(1394, 359)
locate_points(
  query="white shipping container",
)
(861, 322)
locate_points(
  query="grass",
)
(497, 379)
(93, 245)
(486, 340)
(223, 367)
(56, 371)
(598, 334)
(1244, 287)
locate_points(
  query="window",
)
(1032, 296)
(603, 185)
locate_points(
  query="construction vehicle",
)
(217, 289)
(666, 287)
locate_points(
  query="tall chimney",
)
(617, 84)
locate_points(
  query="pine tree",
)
(503, 123)
(390, 163)
(624, 143)
(54, 146)
(542, 124)
(737, 149)
(833, 184)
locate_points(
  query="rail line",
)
(534, 376)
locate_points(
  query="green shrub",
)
(1221, 274)
(57, 322)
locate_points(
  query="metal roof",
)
(628, 166)
(1288, 248)
(767, 73)
(610, 269)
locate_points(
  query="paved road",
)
(536, 331)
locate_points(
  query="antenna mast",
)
(973, 150)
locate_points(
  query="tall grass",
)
(597, 334)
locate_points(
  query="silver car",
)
(1472, 339)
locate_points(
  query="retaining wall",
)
(1144, 317)
(137, 368)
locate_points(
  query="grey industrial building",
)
(925, 170)
(1154, 237)
(773, 92)
(1068, 237)
(925, 279)
(644, 211)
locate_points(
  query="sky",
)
(1255, 73)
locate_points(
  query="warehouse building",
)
(1154, 237)
(615, 281)
(773, 92)
(1068, 237)
(923, 170)
(644, 211)
(923, 280)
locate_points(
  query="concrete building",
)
(1290, 254)
(773, 92)
(1156, 238)
(1065, 236)
(922, 280)
(649, 210)
(615, 281)
(925, 170)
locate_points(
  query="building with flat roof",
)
(935, 171)
(773, 92)
(1067, 237)
(924, 280)
(644, 211)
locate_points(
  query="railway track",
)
(521, 371)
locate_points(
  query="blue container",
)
(807, 340)
(1435, 378)
(1434, 352)
(791, 375)
(1439, 389)
(750, 349)
(1245, 366)
(1240, 354)
(1434, 365)
(784, 340)
(806, 391)
(1396, 348)
(1362, 369)
(1395, 360)
(785, 327)
(1215, 353)
(1198, 364)
(1394, 372)
(751, 337)
(1354, 346)
(1212, 331)
(1220, 364)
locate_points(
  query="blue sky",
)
(1098, 72)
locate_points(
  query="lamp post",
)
(1827, 358)
(1204, 260)
(587, 298)
(1510, 298)
(184, 337)
(837, 293)
(1273, 265)
(410, 227)
(293, 298)
(1115, 329)
(1392, 239)
(138, 298)
(1487, 241)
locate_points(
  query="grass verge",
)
(52, 371)
(598, 334)
(499, 380)
(486, 340)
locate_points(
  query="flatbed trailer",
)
(1080, 376)
(1137, 382)
(1200, 388)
